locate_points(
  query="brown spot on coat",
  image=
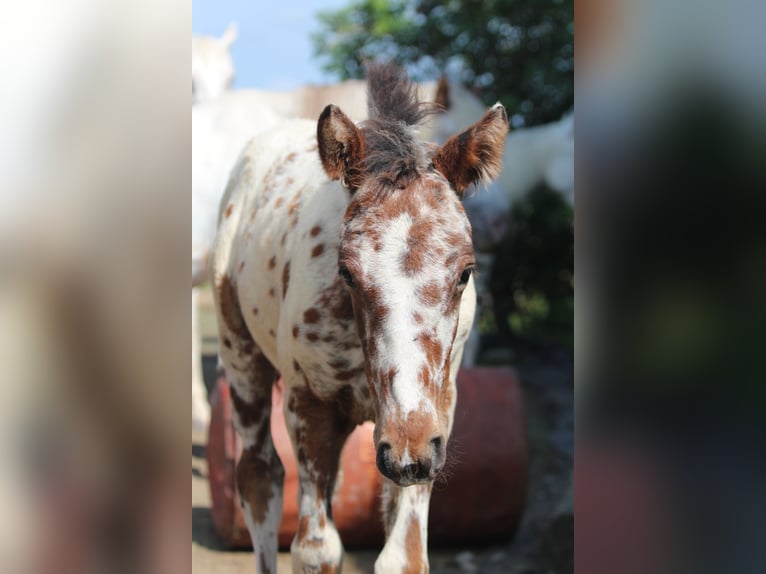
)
(336, 298)
(273, 262)
(425, 379)
(256, 481)
(413, 546)
(414, 257)
(303, 527)
(350, 374)
(311, 315)
(412, 261)
(415, 432)
(318, 250)
(279, 201)
(432, 347)
(316, 230)
(249, 414)
(231, 312)
(320, 438)
(296, 331)
(295, 202)
(285, 278)
(430, 294)
(385, 381)
(313, 337)
(339, 363)
(227, 213)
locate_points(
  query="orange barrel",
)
(480, 501)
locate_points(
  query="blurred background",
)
(94, 179)
(518, 52)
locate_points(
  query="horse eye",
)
(465, 276)
(346, 275)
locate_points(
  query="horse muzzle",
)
(408, 470)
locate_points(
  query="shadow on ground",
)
(203, 532)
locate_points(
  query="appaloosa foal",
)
(343, 261)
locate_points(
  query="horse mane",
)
(392, 149)
(392, 96)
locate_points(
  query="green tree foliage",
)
(520, 52)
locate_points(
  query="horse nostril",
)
(438, 454)
(383, 461)
(417, 470)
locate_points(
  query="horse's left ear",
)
(341, 147)
(441, 99)
(229, 35)
(475, 154)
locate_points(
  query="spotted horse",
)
(344, 261)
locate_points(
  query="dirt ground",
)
(209, 555)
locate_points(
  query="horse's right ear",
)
(475, 154)
(341, 147)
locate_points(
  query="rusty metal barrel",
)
(479, 500)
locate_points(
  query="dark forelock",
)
(392, 149)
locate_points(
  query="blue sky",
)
(273, 50)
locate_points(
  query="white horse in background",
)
(532, 156)
(220, 130)
(212, 65)
(212, 75)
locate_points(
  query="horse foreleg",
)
(260, 473)
(200, 405)
(318, 431)
(405, 512)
